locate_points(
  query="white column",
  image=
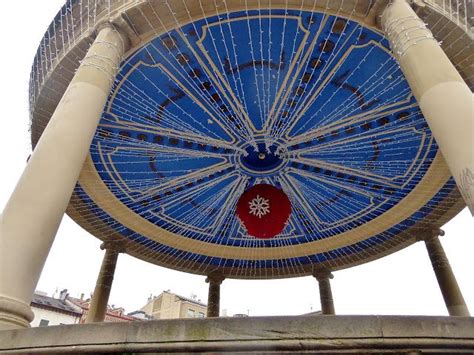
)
(100, 297)
(34, 211)
(447, 282)
(444, 98)
(325, 292)
(214, 295)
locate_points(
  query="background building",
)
(65, 309)
(54, 311)
(113, 314)
(169, 305)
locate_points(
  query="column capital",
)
(402, 27)
(429, 233)
(119, 246)
(215, 278)
(323, 274)
(113, 25)
(373, 16)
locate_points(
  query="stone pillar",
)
(100, 297)
(34, 211)
(325, 293)
(214, 295)
(444, 98)
(447, 281)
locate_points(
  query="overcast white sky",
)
(402, 283)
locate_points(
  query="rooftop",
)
(51, 303)
(191, 300)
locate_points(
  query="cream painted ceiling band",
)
(340, 8)
(434, 179)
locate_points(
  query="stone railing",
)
(328, 334)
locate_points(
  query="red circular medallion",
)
(264, 210)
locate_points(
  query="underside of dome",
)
(216, 97)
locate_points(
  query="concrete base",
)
(315, 334)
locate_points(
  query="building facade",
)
(54, 311)
(112, 315)
(169, 306)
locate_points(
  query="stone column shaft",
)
(214, 295)
(34, 211)
(444, 98)
(100, 298)
(325, 293)
(447, 281)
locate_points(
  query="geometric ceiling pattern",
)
(311, 103)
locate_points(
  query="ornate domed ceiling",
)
(312, 103)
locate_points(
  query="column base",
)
(459, 311)
(14, 314)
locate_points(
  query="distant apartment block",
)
(54, 311)
(169, 305)
(70, 310)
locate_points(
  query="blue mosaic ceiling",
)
(311, 103)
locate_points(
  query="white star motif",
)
(259, 206)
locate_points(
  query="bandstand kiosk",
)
(151, 119)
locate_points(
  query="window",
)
(201, 315)
(190, 313)
(44, 323)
